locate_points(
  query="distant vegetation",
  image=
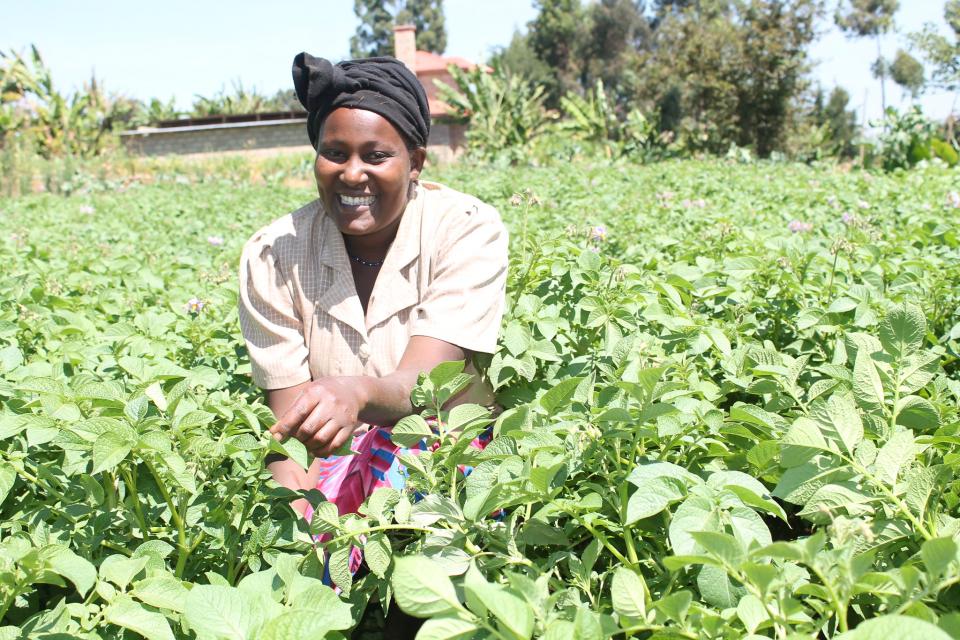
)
(607, 78)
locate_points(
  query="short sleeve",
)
(271, 325)
(463, 303)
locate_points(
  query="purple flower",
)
(798, 226)
(86, 209)
(216, 241)
(953, 200)
(194, 306)
(848, 218)
(598, 233)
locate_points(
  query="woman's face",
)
(364, 170)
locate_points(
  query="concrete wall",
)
(446, 140)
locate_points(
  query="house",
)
(286, 131)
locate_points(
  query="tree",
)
(518, 58)
(719, 72)
(555, 36)
(841, 122)
(775, 36)
(863, 18)
(374, 35)
(907, 72)
(939, 51)
(427, 16)
(615, 32)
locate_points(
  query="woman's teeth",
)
(351, 201)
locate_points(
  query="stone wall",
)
(217, 137)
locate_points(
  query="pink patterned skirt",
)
(347, 481)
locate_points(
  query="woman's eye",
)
(332, 154)
(377, 156)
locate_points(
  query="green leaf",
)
(696, 513)
(128, 614)
(121, 570)
(8, 476)
(511, 610)
(319, 600)
(377, 554)
(409, 431)
(339, 566)
(214, 611)
(802, 441)
(296, 623)
(645, 471)
(422, 588)
(326, 518)
(901, 331)
(586, 624)
(845, 421)
(833, 499)
(920, 486)
(109, 450)
(445, 372)
(629, 594)
(717, 589)
(917, 413)
(720, 545)
(675, 606)
(894, 455)
(136, 409)
(468, 416)
(560, 395)
(867, 387)
(292, 448)
(751, 499)
(68, 564)
(646, 502)
(751, 612)
(748, 527)
(162, 591)
(938, 554)
(895, 626)
(447, 628)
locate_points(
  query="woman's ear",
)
(418, 156)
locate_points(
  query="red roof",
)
(428, 62)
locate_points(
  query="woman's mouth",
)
(356, 201)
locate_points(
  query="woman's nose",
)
(353, 172)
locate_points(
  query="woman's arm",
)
(285, 471)
(323, 414)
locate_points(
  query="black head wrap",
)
(382, 85)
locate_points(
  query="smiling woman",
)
(344, 302)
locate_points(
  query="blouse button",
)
(364, 351)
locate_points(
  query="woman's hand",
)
(324, 415)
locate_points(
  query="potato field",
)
(732, 411)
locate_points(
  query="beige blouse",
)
(444, 276)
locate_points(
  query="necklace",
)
(367, 263)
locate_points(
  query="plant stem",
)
(893, 497)
(839, 607)
(131, 480)
(655, 628)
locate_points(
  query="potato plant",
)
(731, 411)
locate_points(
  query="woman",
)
(344, 302)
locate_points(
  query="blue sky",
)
(183, 48)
